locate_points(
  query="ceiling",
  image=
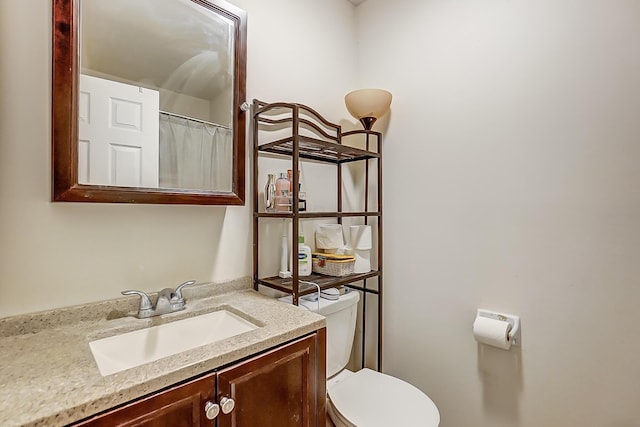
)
(178, 46)
(356, 2)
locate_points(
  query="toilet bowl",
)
(365, 398)
(372, 399)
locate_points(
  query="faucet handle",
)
(145, 302)
(178, 291)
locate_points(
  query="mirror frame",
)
(65, 63)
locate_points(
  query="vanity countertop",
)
(49, 377)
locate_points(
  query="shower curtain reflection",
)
(194, 155)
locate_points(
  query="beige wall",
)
(58, 254)
(512, 172)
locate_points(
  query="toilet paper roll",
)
(329, 236)
(492, 332)
(363, 262)
(360, 237)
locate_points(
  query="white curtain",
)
(194, 155)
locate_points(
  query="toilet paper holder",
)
(514, 333)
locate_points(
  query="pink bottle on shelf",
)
(283, 194)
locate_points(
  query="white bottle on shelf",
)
(304, 258)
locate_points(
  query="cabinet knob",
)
(227, 404)
(211, 410)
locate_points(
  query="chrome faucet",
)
(168, 301)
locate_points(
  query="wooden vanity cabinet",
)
(282, 387)
(180, 406)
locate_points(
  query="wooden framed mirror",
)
(138, 88)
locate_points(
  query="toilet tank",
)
(341, 326)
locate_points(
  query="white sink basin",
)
(120, 352)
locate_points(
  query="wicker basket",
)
(332, 265)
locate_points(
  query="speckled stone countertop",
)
(48, 376)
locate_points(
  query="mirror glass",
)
(155, 103)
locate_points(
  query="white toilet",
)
(365, 398)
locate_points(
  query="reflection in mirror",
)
(155, 96)
(157, 101)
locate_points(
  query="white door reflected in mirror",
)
(118, 140)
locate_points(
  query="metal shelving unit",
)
(311, 137)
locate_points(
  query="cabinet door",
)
(285, 387)
(180, 406)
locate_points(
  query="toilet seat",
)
(372, 399)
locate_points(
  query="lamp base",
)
(367, 122)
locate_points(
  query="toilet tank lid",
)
(328, 306)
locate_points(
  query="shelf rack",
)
(313, 138)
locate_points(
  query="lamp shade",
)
(368, 105)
